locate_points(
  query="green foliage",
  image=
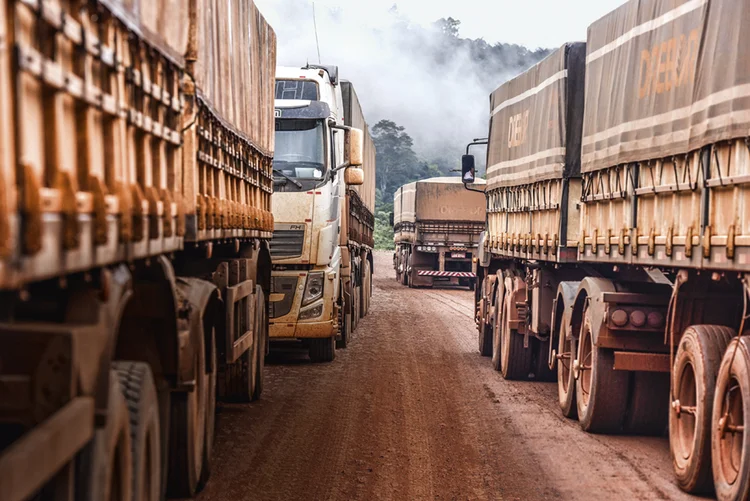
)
(383, 230)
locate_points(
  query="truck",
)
(136, 146)
(615, 254)
(324, 179)
(436, 229)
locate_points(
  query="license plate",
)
(458, 254)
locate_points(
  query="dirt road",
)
(411, 411)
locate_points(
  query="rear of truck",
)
(666, 181)
(134, 219)
(437, 226)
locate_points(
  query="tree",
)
(449, 27)
(396, 160)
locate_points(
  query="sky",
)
(510, 21)
(440, 108)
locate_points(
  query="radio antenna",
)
(315, 25)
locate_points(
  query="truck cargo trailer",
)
(618, 234)
(436, 232)
(135, 215)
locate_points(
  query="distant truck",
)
(436, 228)
(324, 177)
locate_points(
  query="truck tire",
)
(137, 386)
(566, 381)
(111, 452)
(516, 360)
(730, 428)
(187, 431)
(345, 322)
(345, 331)
(356, 307)
(322, 350)
(485, 340)
(485, 327)
(365, 288)
(694, 374)
(540, 367)
(497, 330)
(648, 410)
(601, 391)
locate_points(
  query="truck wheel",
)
(187, 431)
(322, 350)
(366, 288)
(497, 330)
(345, 331)
(112, 452)
(730, 426)
(693, 382)
(648, 410)
(540, 367)
(137, 385)
(601, 391)
(516, 360)
(485, 340)
(497, 334)
(356, 307)
(566, 382)
(485, 329)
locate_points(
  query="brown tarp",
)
(439, 199)
(664, 77)
(535, 121)
(354, 117)
(234, 50)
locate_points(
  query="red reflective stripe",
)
(431, 273)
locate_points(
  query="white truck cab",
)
(316, 158)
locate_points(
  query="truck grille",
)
(286, 286)
(287, 243)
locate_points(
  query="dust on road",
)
(411, 411)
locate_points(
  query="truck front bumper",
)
(284, 322)
(302, 330)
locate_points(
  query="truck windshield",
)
(300, 149)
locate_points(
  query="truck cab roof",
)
(325, 79)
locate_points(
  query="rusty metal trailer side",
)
(134, 219)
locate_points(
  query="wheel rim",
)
(585, 368)
(564, 362)
(731, 432)
(686, 422)
(505, 339)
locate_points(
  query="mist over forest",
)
(424, 90)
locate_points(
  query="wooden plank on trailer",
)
(36, 457)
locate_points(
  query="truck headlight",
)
(313, 288)
(313, 312)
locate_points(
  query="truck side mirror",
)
(390, 219)
(354, 176)
(353, 147)
(467, 169)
